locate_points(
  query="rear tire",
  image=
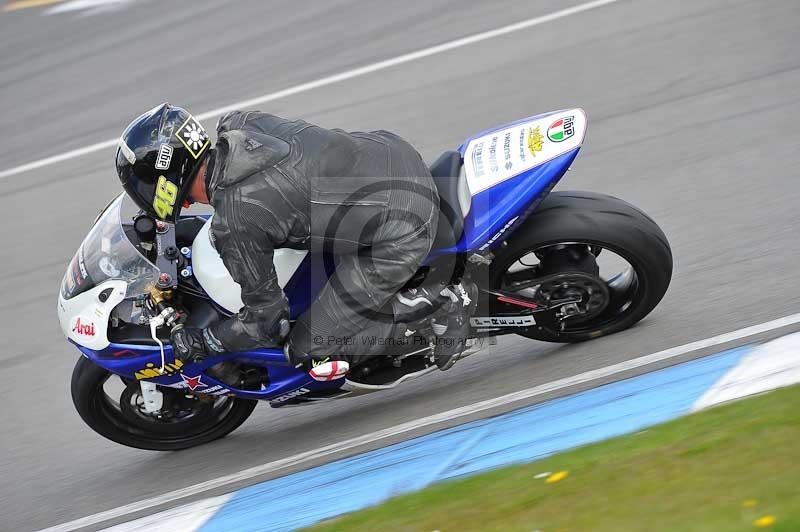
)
(95, 408)
(602, 221)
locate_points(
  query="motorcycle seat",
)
(454, 198)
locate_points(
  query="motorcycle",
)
(550, 266)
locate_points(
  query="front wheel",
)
(113, 407)
(599, 251)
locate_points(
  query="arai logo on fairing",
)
(83, 328)
(561, 129)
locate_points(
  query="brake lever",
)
(169, 317)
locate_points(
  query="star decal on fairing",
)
(193, 382)
(193, 136)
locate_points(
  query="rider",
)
(367, 198)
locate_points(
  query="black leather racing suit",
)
(366, 198)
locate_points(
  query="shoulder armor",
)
(246, 153)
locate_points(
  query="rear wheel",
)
(597, 250)
(113, 407)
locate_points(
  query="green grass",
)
(692, 474)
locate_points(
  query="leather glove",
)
(192, 345)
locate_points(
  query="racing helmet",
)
(157, 155)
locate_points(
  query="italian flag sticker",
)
(561, 129)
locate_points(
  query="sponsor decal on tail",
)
(562, 129)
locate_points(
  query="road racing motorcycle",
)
(550, 266)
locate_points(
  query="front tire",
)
(122, 420)
(592, 222)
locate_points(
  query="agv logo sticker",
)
(164, 157)
(562, 129)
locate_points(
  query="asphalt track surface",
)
(693, 110)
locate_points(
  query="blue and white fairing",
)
(510, 169)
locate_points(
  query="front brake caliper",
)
(152, 396)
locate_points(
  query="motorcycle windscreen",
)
(107, 253)
(76, 280)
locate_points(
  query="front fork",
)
(163, 313)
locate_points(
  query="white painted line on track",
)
(403, 428)
(89, 7)
(190, 517)
(330, 80)
(773, 365)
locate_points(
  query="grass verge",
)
(734, 467)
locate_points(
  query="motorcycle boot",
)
(452, 332)
(420, 303)
(325, 368)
